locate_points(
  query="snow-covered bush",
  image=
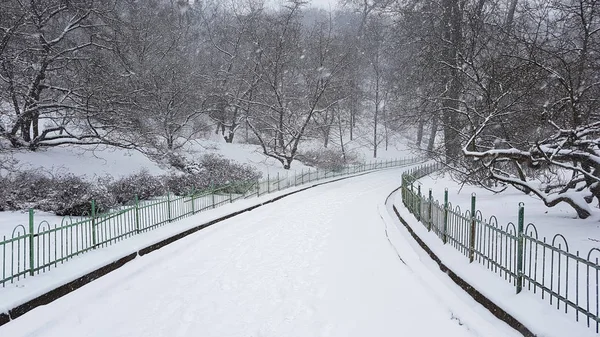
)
(5, 193)
(219, 171)
(142, 184)
(326, 159)
(26, 189)
(180, 184)
(72, 196)
(67, 194)
(212, 171)
(63, 194)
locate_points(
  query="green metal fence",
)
(37, 247)
(568, 280)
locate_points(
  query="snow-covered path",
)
(314, 264)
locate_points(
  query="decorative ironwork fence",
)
(568, 280)
(37, 247)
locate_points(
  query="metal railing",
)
(37, 247)
(569, 281)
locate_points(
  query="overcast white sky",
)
(325, 4)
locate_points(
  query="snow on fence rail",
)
(569, 281)
(36, 248)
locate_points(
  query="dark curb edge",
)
(4, 318)
(469, 289)
(67, 288)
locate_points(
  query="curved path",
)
(317, 263)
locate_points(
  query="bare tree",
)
(547, 123)
(229, 31)
(46, 46)
(298, 75)
(162, 72)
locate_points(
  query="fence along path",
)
(567, 280)
(37, 247)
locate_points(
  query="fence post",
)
(212, 193)
(31, 261)
(268, 183)
(445, 236)
(520, 241)
(257, 188)
(169, 206)
(403, 189)
(137, 214)
(430, 212)
(419, 203)
(472, 230)
(278, 183)
(412, 196)
(302, 176)
(93, 223)
(193, 206)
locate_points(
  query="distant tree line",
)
(152, 75)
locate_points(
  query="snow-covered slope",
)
(118, 162)
(87, 161)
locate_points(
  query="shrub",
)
(68, 194)
(326, 159)
(72, 196)
(180, 184)
(28, 186)
(220, 171)
(5, 193)
(61, 194)
(210, 172)
(142, 184)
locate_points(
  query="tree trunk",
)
(327, 128)
(36, 125)
(376, 114)
(433, 133)
(280, 132)
(351, 124)
(453, 37)
(420, 128)
(511, 15)
(229, 137)
(375, 128)
(385, 124)
(342, 139)
(26, 130)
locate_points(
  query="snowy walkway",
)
(314, 264)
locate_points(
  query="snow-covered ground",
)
(314, 264)
(581, 235)
(87, 161)
(116, 162)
